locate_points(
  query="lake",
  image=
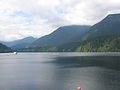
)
(60, 71)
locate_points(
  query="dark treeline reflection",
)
(112, 62)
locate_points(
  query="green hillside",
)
(100, 44)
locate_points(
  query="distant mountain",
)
(62, 35)
(101, 37)
(4, 49)
(110, 25)
(22, 43)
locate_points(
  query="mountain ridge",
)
(109, 25)
(15, 43)
(62, 35)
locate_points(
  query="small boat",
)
(15, 53)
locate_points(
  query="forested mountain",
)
(101, 37)
(100, 44)
(4, 49)
(62, 35)
(110, 25)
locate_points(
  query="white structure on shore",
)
(15, 53)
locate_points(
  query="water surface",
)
(60, 71)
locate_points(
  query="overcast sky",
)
(22, 18)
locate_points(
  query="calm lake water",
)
(60, 71)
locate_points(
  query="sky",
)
(22, 18)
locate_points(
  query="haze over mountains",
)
(103, 36)
(21, 43)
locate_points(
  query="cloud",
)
(20, 18)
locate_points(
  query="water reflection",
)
(112, 62)
(92, 73)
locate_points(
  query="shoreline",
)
(71, 54)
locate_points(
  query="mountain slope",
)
(62, 35)
(4, 49)
(100, 44)
(110, 25)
